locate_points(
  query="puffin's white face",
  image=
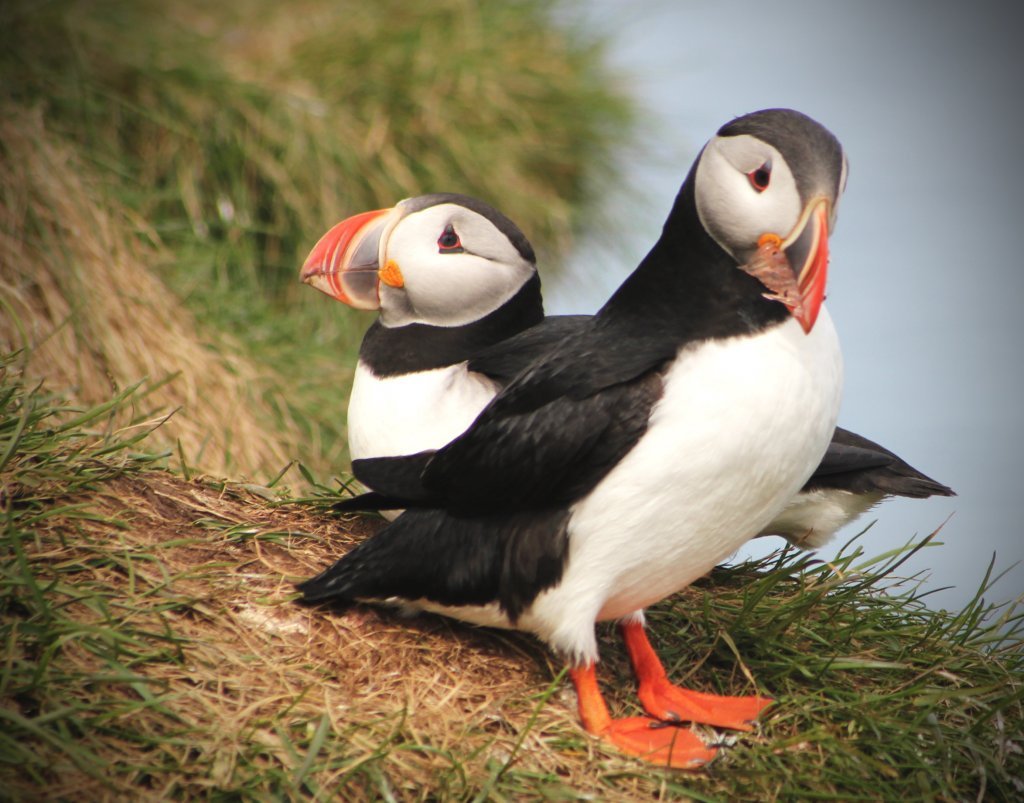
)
(447, 265)
(745, 188)
(442, 260)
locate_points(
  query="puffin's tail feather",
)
(912, 483)
(369, 502)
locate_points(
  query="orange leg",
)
(664, 701)
(653, 741)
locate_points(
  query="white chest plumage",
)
(409, 413)
(741, 426)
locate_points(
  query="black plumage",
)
(854, 463)
(451, 559)
(396, 350)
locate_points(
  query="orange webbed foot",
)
(666, 701)
(663, 700)
(658, 743)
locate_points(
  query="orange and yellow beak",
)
(806, 250)
(345, 262)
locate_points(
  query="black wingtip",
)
(332, 583)
(320, 589)
(399, 477)
(902, 479)
(854, 463)
(367, 503)
(921, 487)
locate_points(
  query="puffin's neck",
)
(688, 288)
(388, 351)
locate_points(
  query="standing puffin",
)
(630, 458)
(458, 293)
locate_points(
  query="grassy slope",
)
(152, 649)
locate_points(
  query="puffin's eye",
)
(760, 178)
(449, 242)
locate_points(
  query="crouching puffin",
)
(628, 459)
(460, 314)
(450, 276)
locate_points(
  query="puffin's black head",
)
(766, 190)
(443, 259)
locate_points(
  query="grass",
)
(167, 169)
(77, 291)
(153, 649)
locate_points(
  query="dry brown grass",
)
(79, 291)
(249, 674)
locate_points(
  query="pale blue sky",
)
(926, 286)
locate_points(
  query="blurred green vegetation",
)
(239, 132)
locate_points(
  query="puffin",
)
(458, 293)
(629, 458)
(450, 276)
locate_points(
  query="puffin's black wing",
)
(451, 560)
(503, 361)
(854, 463)
(551, 455)
(546, 439)
(551, 435)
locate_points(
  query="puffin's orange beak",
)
(345, 262)
(807, 251)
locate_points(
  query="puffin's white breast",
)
(409, 413)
